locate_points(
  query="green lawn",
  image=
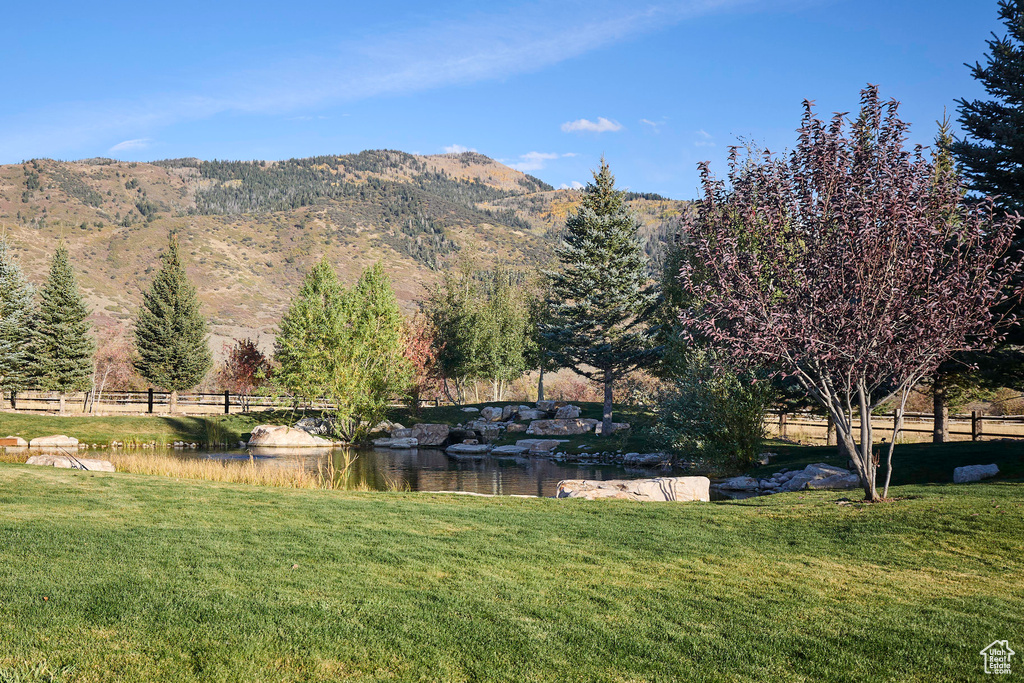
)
(153, 579)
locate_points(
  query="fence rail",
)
(975, 424)
(153, 401)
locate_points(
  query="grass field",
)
(116, 577)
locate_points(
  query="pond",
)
(428, 469)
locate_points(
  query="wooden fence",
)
(152, 401)
(975, 425)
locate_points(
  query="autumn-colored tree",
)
(419, 351)
(847, 266)
(245, 369)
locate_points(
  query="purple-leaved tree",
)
(855, 265)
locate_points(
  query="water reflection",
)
(431, 469)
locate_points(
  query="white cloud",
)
(602, 125)
(457, 149)
(431, 55)
(535, 161)
(574, 185)
(131, 145)
(704, 139)
(655, 125)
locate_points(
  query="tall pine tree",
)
(17, 312)
(601, 299)
(992, 153)
(62, 344)
(171, 334)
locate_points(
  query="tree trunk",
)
(606, 420)
(174, 402)
(830, 431)
(867, 450)
(540, 385)
(940, 426)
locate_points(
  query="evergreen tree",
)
(601, 300)
(308, 334)
(171, 334)
(992, 153)
(62, 345)
(17, 312)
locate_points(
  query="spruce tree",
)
(992, 152)
(171, 334)
(62, 344)
(600, 299)
(17, 312)
(309, 334)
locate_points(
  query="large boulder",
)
(470, 410)
(401, 443)
(546, 406)
(739, 484)
(822, 470)
(539, 446)
(282, 436)
(531, 414)
(965, 475)
(67, 462)
(567, 413)
(644, 459)
(516, 427)
(491, 413)
(849, 480)
(657, 489)
(430, 434)
(13, 442)
(55, 441)
(509, 413)
(560, 427)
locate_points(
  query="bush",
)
(713, 416)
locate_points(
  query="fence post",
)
(227, 401)
(977, 426)
(151, 399)
(782, 425)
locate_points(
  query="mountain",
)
(251, 229)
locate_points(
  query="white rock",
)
(965, 475)
(531, 414)
(658, 489)
(820, 470)
(55, 441)
(281, 436)
(471, 410)
(560, 427)
(539, 446)
(66, 462)
(567, 413)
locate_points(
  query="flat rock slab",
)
(66, 462)
(55, 441)
(13, 442)
(509, 450)
(282, 436)
(400, 443)
(678, 489)
(468, 449)
(561, 427)
(965, 475)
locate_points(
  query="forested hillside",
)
(250, 229)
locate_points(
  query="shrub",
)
(713, 416)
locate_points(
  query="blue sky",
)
(545, 87)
